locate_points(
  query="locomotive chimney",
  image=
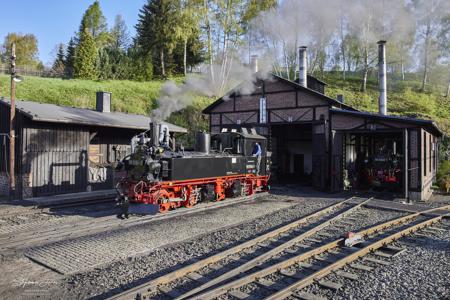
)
(254, 63)
(382, 100)
(155, 133)
(302, 77)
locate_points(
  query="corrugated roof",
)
(420, 122)
(45, 112)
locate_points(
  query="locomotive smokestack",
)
(155, 133)
(254, 63)
(382, 100)
(302, 77)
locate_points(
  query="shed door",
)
(414, 160)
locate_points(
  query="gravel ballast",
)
(108, 280)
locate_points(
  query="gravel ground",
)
(101, 281)
(164, 255)
(360, 219)
(422, 272)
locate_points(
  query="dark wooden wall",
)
(55, 157)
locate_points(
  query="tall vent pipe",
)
(382, 100)
(302, 77)
(254, 63)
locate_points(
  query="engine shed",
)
(60, 149)
(320, 141)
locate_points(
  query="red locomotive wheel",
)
(164, 207)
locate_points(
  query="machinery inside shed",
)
(374, 161)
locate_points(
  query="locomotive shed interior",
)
(374, 160)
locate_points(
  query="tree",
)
(187, 30)
(69, 60)
(155, 32)
(120, 37)
(26, 48)
(86, 57)
(58, 66)
(430, 15)
(94, 22)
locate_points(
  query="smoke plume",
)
(212, 81)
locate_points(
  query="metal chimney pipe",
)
(254, 63)
(382, 100)
(302, 77)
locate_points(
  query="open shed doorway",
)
(374, 161)
(291, 146)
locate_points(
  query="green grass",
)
(127, 96)
(404, 98)
(139, 97)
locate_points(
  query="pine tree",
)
(85, 65)
(59, 63)
(95, 23)
(155, 32)
(69, 60)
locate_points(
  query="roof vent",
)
(103, 102)
(340, 98)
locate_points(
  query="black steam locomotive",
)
(221, 165)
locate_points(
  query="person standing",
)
(257, 153)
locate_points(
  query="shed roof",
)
(429, 124)
(292, 83)
(44, 112)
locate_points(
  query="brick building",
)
(320, 141)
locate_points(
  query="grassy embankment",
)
(139, 97)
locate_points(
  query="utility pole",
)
(12, 178)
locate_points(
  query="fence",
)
(24, 70)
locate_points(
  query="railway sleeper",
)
(329, 284)
(307, 296)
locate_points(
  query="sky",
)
(56, 21)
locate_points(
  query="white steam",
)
(212, 81)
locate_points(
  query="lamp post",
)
(12, 115)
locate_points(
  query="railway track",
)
(256, 251)
(27, 238)
(281, 262)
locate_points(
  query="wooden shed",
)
(62, 149)
(320, 141)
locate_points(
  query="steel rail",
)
(266, 255)
(153, 284)
(350, 258)
(213, 293)
(23, 239)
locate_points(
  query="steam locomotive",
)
(220, 166)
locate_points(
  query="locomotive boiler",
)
(220, 166)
